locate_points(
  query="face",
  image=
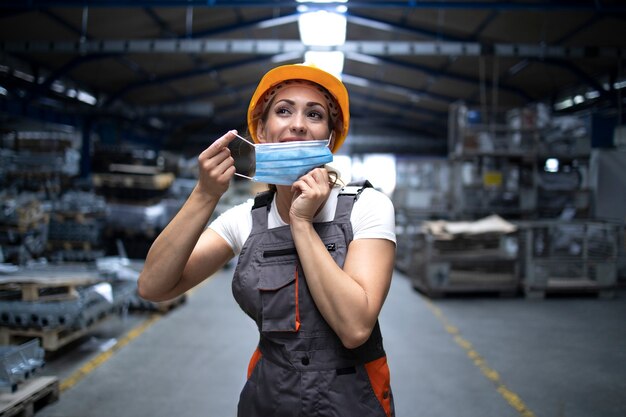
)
(298, 112)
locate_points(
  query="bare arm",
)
(182, 256)
(350, 299)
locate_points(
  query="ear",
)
(260, 131)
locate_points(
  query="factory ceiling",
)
(177, 72)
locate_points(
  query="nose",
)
(298, 125)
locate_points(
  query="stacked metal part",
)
(132, 219)
(23, 227)
(124, 273)
(462, 257)
(39, 161)
(81, 202)
(77, 221)
(18, 363)
(570, 256)
(130, 175)
(93, 303)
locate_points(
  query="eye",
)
(282, 110)
(316, 115)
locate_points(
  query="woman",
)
(314, 266)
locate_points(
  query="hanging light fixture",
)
(323, 28)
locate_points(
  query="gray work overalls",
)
(300, 367)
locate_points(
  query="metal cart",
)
(569, 256)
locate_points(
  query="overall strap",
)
(260, 210)
(346, 198)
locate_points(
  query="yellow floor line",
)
(84, 370)
(509, 396)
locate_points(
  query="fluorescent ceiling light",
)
(24, 76)
(552, 165)
(592, 94)
(321, 1)
(564, 104)
(57, 87)
(3, 91)
(619, 85)
(304, 8)
(322, 28)
(578, 99)
(156, 123)
(86, 97)
(328, 61)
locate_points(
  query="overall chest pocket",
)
(278, 285)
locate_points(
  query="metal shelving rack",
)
(570, 256)
(498, 163)
(493, 162)
(466, 264)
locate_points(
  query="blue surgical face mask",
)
(283, 163)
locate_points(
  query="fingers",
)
(316, 180)
(225, 165)
(221, 143)
(209, 160)
(217, 155)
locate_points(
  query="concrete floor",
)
(470, 356)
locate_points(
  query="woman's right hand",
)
(216, 167)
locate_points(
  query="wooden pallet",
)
(493, 290)
(69, 245)
(77, 217)
(569, 287)
(47, 288)
(31, 395)
(148, 182)
(51, 339)
(23, 226)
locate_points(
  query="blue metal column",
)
(85, 153)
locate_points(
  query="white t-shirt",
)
(372, 217)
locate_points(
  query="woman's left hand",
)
(310, 193)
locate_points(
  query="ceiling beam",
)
(368, 22)
(262, 23)
(549, 6)
(435, 73)
(124, 60)
(401, 108)
(179, 76)
(274, 46)
(409, 94)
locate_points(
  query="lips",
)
(292, 140)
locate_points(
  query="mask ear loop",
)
(249, 143)
(330, 138)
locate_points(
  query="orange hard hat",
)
(306, 72)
